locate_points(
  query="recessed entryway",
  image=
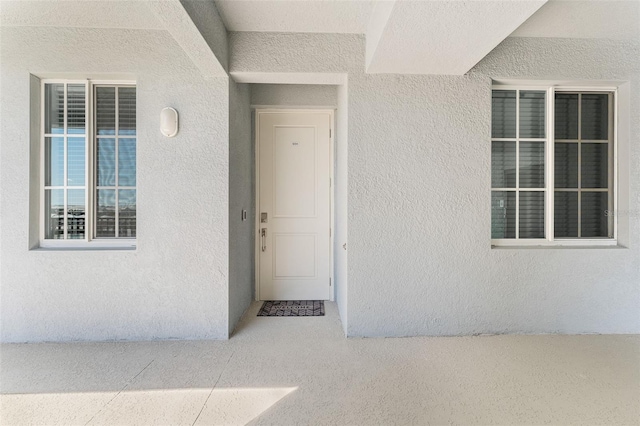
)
(293, 163)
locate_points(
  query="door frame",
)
(331, 112)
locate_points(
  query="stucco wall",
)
(294, 95)
(341, 186)
(419, 255)
(206, 18)
(241, 197)
(174, 285)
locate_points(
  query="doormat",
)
(292, 308)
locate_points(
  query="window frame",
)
(90, 241)
(549, 190)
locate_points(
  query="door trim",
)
(331, 112)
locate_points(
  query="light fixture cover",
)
(169, 122)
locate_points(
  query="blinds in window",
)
(65, 159)
(503, 114)
(532, 114)
(518, 125)
(583, 185)
(115, 162)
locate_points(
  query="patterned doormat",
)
(292, 308)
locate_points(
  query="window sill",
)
(614, 246)
(88, 246)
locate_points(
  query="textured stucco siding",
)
(174, 285)
(241, 197)
(341, 181)
(206, 18)
(419, 254)
(294, 95)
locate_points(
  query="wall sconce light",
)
(169, 122)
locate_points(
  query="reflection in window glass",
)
(65, 159)
(53, 161)
(127, 213)
(126, 162)
(76, 157)
(503, 214)
(69, 151)
(106, 213)
(54, 214)
(75, 214)
(116, 162)
(106, 162)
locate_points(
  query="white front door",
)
(294, 209)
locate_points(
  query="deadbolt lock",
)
(263, 217)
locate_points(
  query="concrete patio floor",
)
(303, 371)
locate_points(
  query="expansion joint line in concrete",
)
(214, 386)
(119, 392)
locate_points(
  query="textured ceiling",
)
(557, 18)
(442, 37)
(584, 19)
(403, 36)
(301, 16)
(79, 14)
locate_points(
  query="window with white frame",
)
(552, 166)
(88, 162)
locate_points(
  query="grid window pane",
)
(566, 165)
(503, 164)
(532, 114)
(532, 164)
(595, 160)
(66, 154)
(565, 221)
(532, 214)
(106, 162)
(566, 116)
(503, 114)
(53, 161)
(503, 214)
(76, 214)
(595, 117)
(127, 111)
(127, 213)
(76, 109)
(595, 222)
(582, 167)
(76, 161)
(54, 108)
(116, 162)
(54, 214)
(106, 213)
(106, 110)
(127, 162)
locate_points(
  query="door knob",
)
(263, 236)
